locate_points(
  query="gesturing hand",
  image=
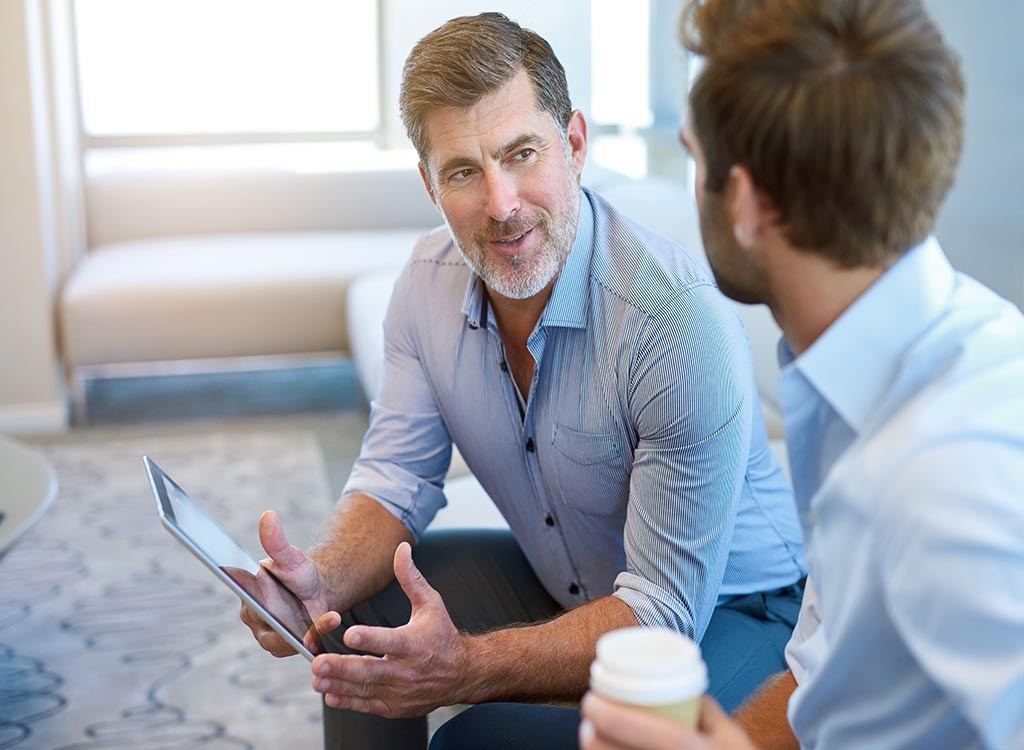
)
(295, 570)
(422, 664)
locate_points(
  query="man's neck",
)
(810, 292)
(517, 318)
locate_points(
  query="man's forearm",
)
(763, 716)
(546, 662)
(356, 550)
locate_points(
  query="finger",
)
(589, 739)
(266, 636)
(369, 688)
(415, 586)
(249, 618)
(275, 645)
(327, 622)
(712, 717)
(587, 735)
(313, 638)
(712, 714)
(363, 705)
(361, 671)
(276, 544)
(377, 640)
(634, 729)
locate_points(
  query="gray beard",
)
(519, 277)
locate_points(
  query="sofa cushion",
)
(194, 297)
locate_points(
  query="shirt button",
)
(574, 589)
(549, 520)
(530, 447)
(504, 366)
(811, 517)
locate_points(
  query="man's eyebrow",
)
(517, 143)
(456, 162)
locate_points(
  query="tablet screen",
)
(219, 550)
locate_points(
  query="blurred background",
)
(136, 120)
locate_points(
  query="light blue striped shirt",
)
(638, 465)
(905, 423)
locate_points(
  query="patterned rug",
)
(113, 636)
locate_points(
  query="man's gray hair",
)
(469, 57)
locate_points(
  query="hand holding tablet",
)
(261, 591)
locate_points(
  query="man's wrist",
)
(478, 670)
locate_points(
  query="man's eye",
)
(461, 176)
(525, 154)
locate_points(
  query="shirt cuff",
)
(406, 496)
(653, 606)
(806, 647)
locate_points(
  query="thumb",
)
(284, 555)
(712, 717)
(415, 586)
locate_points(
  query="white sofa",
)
(200, 266)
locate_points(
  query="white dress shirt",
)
(905, 424)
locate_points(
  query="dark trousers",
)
(486, 583)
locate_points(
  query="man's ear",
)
(746, 206)
(577, 133)
(426, 183)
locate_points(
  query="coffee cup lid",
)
(648, 666)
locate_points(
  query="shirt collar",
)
(854, 362)
(567, 305)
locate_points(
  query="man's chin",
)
(515, 291)
(736, 293)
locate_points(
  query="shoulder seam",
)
(435, 262)
(665, 303)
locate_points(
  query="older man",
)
(826, 134)
(600, 389)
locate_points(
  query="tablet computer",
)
(232, 564)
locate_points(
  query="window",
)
(182, 70)
(620, 43)
(620, 63)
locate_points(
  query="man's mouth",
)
(512, 242)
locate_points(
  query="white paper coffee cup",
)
(656, 669)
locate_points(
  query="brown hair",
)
(468, 57)
(847, 113)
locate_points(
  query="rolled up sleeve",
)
(407, 449)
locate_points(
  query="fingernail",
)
(586, 731)
(324, 669)
(354, 639)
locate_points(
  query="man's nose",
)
(502, 198)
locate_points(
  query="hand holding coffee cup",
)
(654, 669)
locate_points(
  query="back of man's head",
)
(460, 62)
(847, 113)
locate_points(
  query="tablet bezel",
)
(157, 479)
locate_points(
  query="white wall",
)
(981, 225)
(31, 396)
